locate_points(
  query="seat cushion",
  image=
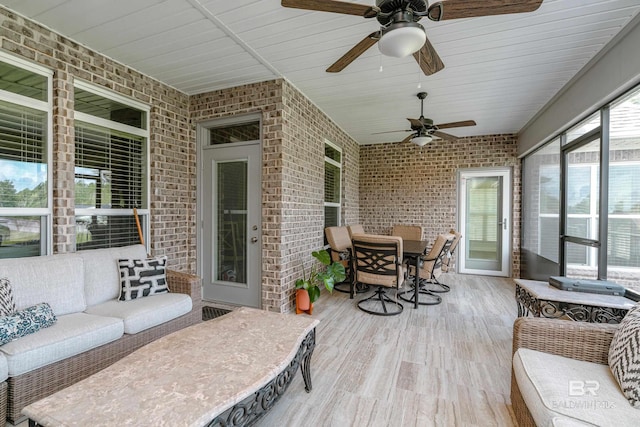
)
(145, 313)
(101, 275)
(54, 279)
(72, 334)
(560, 388)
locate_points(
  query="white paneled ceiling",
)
(499, 70)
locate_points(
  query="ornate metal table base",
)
(411, 294)
(528, 304)
(252, 408)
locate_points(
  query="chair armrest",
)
(578, 340)
(186, 283)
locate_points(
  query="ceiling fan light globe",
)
(421, 141)
(402, 40)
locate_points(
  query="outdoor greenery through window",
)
(111, 164)
(25, 206)
(332, 184)
(542, 195)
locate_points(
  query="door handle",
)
(254, 240)
(503, 223)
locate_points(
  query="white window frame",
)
(145, 133)
(46, 241)
(339, 166)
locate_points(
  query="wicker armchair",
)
(577, 340)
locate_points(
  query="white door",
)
(485, 222)
(231, 223)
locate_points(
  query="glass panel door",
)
(484, 222)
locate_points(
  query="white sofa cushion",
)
(4, 368)
(556, 387)
(102, 276)
(145, 313)
(72, 334)
(54, 279)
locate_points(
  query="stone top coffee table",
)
(233, 367)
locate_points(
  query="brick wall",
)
(405, 184)
(172, 150)
(294, 131)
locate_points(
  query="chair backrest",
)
(339, 243)
(377, 260)
(407, 232)
(446, 262)
(432, 266)
(355, 229)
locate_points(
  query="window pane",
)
(331, 183)
(584, 127)
(235, 133)
(110, 168)
(105, 231)
(583, 190)
(105, 108)
(23, 82)
(332, 153)
(20, 236)
(23, 157)
(581, 261)
(541, 206)
(331, 216)
(623, 248)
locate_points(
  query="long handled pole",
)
(135, 214)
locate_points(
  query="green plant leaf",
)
(314, 293)
(322, 256)
(336, 270)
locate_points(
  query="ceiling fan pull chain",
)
(380, 69)
(419, 72)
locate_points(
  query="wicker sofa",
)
(93, 329)
(549, 390)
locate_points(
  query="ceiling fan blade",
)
(416, 123)
(407, 139)
(354, 53)
(454, 9)
(392, 131)
(444, 135)
(329, 6)
(428, 59)
(456, 124)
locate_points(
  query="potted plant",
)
(308, 287)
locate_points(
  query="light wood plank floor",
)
(442, 365)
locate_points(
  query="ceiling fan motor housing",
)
(388, 7)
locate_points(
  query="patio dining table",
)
(413, 250)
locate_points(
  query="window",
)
(600, 235)
(332, 184)
(25, 144)
(111, 169)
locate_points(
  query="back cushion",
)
(102, 277)
(55, 279)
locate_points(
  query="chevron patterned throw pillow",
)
(142, 277)
(7, 305)
(624, 356)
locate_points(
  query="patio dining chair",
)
(430, 270)
(377, 261)
(340, 251)
(446, 262)
(355, 229)
(407, 232)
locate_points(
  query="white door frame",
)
(505, 173)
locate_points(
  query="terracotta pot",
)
(303, 304)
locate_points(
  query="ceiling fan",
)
(400, 34)
(423, 130)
